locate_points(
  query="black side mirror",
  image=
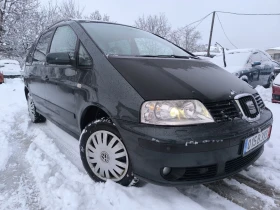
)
(256, 63)
(60, 58)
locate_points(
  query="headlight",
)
(181, 112)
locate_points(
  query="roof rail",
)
(58, 22)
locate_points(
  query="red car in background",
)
(276, 90)
(1, 78)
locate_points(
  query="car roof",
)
(86, 21)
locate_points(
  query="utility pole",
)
(210, 38)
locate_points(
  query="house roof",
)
(274, 48)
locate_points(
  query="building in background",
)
(274, 53)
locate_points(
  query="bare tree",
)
(21, 21)
(69, 9)
(186, 38)
(157, 24)
(15, 23)
(97, 16)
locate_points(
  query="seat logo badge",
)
(251, 107)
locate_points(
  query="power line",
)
(200, 20)
(255, 14)
(225, 32)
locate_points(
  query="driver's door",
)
(62, 80)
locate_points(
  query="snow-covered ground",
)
(40, 168)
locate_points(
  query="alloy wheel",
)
(107, 156)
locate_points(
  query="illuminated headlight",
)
(181, 112)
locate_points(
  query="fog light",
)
(166, 171)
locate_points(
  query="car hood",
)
(174, 79)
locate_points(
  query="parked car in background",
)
(10, 68)
(251, 65)
(276, 90)
(1, 77)
(276, 67)
(142, 106)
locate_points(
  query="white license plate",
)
(254, 141)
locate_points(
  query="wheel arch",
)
(26, 91)
(92, 113)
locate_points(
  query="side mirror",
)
(256, 63)
(61, 58)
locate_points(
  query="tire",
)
(33, 114)
(103, 161)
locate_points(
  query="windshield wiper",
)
(167, 56)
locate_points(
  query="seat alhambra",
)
(143, 107)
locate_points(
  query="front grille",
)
(198, 173)
(191, 173)
(238, 163)
(259, 100)
(246, 109)
(223, 110)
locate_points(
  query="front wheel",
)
(34, 115)
(104, 154)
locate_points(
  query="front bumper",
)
(206, 152)
(275, 94)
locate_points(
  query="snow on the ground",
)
(9, 104)
(40, 168)
(268, 170)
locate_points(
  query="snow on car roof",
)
(205, 53)
(9, 62)
(242, 50)
(235, 59)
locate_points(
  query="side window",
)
(84, 59)
(255, 58)
(30, 54)
(264, 57)
(42, 47)
(64, 40)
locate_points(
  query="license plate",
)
(254, 141)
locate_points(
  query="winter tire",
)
(104, 154)
(34, 115)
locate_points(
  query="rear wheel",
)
(104, 154)
(34, 115)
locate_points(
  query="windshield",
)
(123, 40)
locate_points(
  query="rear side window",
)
(64, 40)
(255, 58)
(42, 47)
(264, 57)
(84, 58)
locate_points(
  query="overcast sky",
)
(244, 31)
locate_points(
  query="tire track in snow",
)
(242, 194)
(18, 188)
(259, 186)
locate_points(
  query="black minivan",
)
(141, 106)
